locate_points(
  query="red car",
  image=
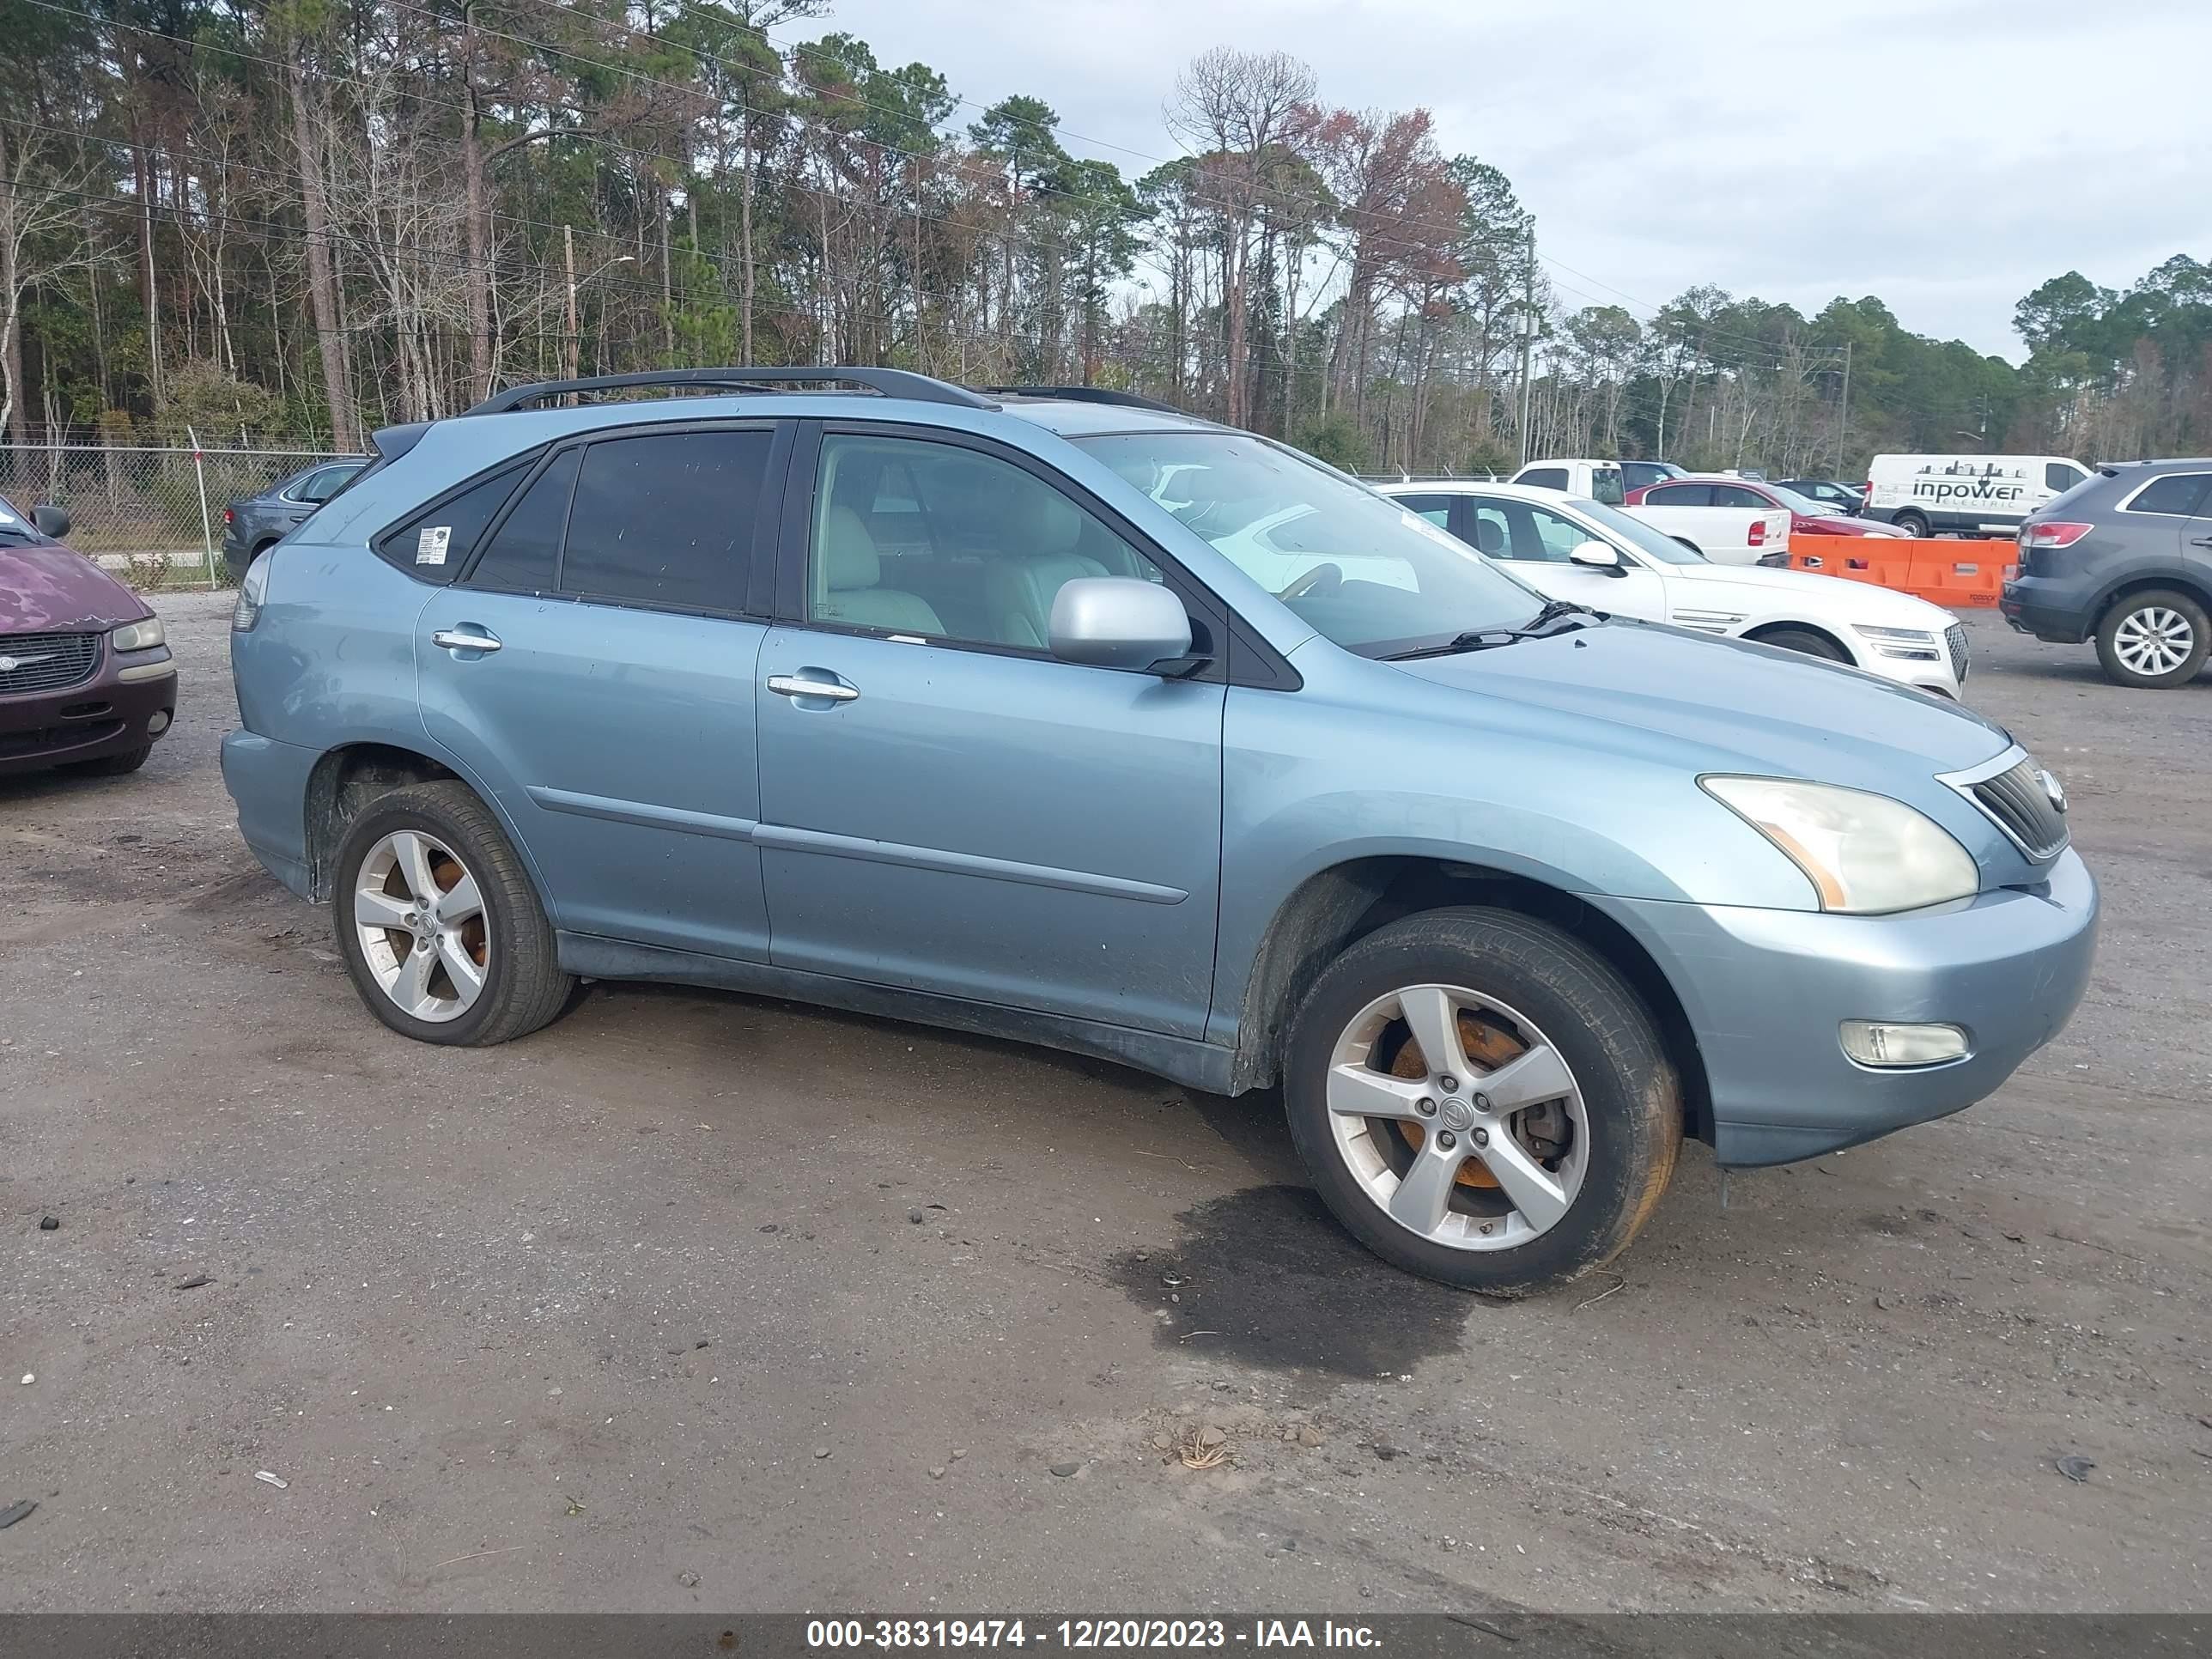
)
(85, 676)
(1806, 516)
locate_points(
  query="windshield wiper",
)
(1553, 617)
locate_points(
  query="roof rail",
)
(1088, 394)
(888, 382)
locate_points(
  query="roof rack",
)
(887, 382)
(1087, 394)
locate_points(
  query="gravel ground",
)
(633, 1315)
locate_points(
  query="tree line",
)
(304, 219)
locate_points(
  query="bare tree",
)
(42, 234)
(1238, 106)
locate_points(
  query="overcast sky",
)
(1946, 155)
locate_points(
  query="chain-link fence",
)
(153, 515)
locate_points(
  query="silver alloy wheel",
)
(2154, 641)
(1455, 1109)
(420, 918)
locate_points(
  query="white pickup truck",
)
(1725, 535)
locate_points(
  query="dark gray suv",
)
(255, 522)
(2125, 558)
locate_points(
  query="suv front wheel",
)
(437, 923)
(1481, 1099)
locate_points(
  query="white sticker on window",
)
(430, 545)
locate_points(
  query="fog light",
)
(158, 723)
(1876, 1042)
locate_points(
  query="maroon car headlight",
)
(138, 636)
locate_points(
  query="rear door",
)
(593, 668)
(947, 807)
(1535, 544)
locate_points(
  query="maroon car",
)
(85, 677)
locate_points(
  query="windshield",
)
(1639, 535)
(14, 527)
(1357, 568)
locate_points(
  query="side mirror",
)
(1118, 621)
(51, 522)
(1597, 556)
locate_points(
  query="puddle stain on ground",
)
(1272, 1281)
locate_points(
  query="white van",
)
(1966, 495)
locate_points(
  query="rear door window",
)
(1544, 478)
(666, 518)
(1737, 495)
(1679, 494)
(1437, 509)
(525, 550)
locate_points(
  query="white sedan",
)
(1570, 548)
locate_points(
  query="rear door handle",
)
(792, 685)
(2200, 541)
(466, 639)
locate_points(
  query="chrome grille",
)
(2017, 802)
(46, 662)
(1955, 637)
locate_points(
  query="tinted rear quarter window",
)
(666, 519)
(437, 542)
(1681, 496)
(2177, 495)
(1545, 478)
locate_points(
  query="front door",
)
(1533, 543)
(945, 806)
(591, 667)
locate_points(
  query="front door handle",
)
(790, 685)
(2200, 541)
(466, 639)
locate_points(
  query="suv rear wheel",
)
(2154, 640)
(439, 925)
(1482, 1100)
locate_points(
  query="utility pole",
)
(1527, 336)
(1844, 419)
(569, 257)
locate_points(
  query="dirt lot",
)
(634, 1314)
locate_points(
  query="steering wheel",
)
(1321, 578)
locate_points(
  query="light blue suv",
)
(1059, 715)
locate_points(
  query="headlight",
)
(1912, 644)
(138, 636)
(1864, 854)
(250, 592)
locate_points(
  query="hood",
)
(1823, 597)
(1718, 705)
(45, 588)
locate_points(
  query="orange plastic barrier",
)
(1947, 572)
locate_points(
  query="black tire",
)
(2175, 604)
(1913, 525)
(1630, 1094)
(113, 766)
(524, 985)
(1805, 641)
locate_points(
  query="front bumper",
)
(104, 716)
(1767, 992)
